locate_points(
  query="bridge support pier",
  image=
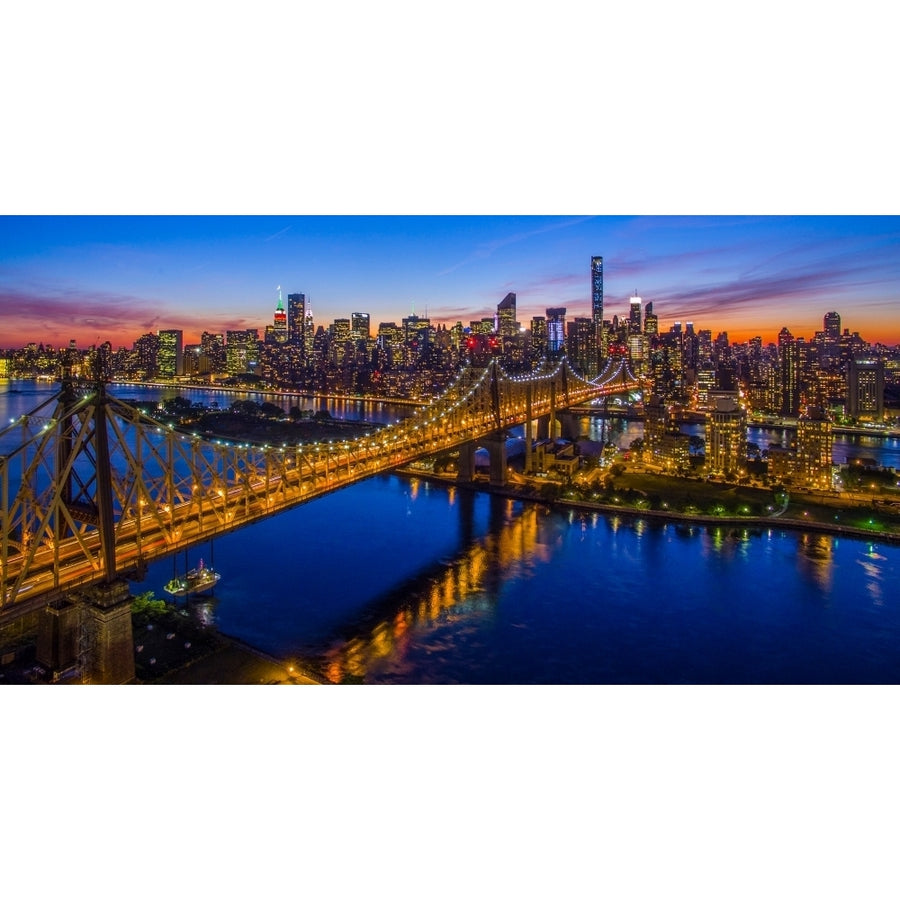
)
(466, 470)
(92, 629)
(547, 427)
(495, 444)
(108, 623)
(568, 425)
(529, 431)
(59, 633)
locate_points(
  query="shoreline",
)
(664, 515)
(269, 392)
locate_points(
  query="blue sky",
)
(116, 277)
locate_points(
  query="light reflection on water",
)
(405, 581)
(530, 595)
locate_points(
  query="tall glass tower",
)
(597, 292)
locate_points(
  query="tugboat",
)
(200, 579)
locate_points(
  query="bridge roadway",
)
(232, 486)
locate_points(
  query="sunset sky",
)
(114, 278)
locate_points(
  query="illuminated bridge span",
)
(93, 489)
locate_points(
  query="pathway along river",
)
(395, 580)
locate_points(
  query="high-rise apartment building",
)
(789, 358)
(726, 438)
(597, 292)
(815, 441)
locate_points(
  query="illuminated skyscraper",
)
(359, 326)
(815, 441)
(789, 355)
(295, 316)
(865, 388)
(242, 351)
(726, 439)
(170, 355)
(280, 322)
(581, 349)
(634, 315)
(651, 320)
(212, 346)
(597, 292)
(556, 329)
(506, 316)
(538, 337)
(597, 308)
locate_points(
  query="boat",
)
(203, 578)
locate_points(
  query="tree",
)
(271, 411)
(245, 408)
(177, 406)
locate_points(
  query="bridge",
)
(93, 490)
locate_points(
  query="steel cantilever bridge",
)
(94, 489)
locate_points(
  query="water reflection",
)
(815, 559)
(470, 582)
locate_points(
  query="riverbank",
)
(234, 663)
(776, 520)
(268, 392)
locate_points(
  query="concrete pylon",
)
(495, 444)
(466, 470)
(529, 431)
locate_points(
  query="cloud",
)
(272, 237)
(55, 316)
(486, 249)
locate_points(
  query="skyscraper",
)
(295, 316)
(582, 351)
(597, 292)
(506, 316)
(279, 322)
(556, 329)
(359, 326)
(634, 315)
(865, 388)
(170, 355)
(597, 307)
(538, 337)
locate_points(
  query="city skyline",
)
(116, 277)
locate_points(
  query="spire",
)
(280, 306)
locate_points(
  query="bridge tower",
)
(89, 626)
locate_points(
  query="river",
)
(397, 580)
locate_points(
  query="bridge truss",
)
(92, 488)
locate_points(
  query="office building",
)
(506, 316)
(170, 356)
(556, 330)
(865, 389)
